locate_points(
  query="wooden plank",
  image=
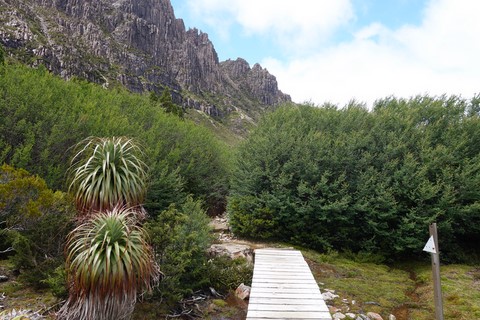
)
(285, 281)
(261, 273)
(280, 301)
(288, 315)
(282, 285)
(277, 253)
(291, 271)
(283, 276)
(287, 290)
(281, 261)
(286, 307)
(286, 295)
(282, 267)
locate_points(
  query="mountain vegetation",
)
(43, 122)
(141, 46)
(364, 181)
(43, 117)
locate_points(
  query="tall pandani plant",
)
(109, 261)
(108, 258)
(106, 173)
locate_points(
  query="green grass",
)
(373, 287)
(460, 290)
(405, 290)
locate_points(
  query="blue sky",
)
(338, 50)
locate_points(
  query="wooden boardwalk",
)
(283, 287)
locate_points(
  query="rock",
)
(350, 315)
(219, 224)
(338, 315)
(333, 309)
(3, 278)
(374, 316)
(362, 317)
(233, 250)
(329, 296)
(392, 317)
(243, 291)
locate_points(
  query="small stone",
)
(362, 317)
(345, 300)
(374, 316)
(350, 315)
(242, 291)
(333, 309)
(353, 301)
(329, 296)
(3, 278)
(392, 317)
(338, 315)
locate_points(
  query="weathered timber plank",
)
(283, 275)
(288, 315)
(278, 252)
(280, 301)
(285, 301)
(282, 285)
(285, 281)
(287, 290)
(261, 273)
(285, 295)
(286, 307)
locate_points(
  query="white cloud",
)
(298, 24)
(440, 56)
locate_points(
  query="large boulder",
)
(232, 250)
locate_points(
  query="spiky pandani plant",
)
(107, 172)
(108, 263)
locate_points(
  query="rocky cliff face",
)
(136, 43)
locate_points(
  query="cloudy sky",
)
(339, 50)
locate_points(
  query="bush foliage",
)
(180, 237)
(43, 116)
(35, 222)
(359, 180)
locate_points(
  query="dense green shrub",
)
(365, 181)
(35, 222)
(225, 274)
(180, 237)
(42, 116)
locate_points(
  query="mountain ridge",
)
(140, 45)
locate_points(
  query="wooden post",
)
(436, 274)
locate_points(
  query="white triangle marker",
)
(430, 246)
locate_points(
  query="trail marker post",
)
(432, 247)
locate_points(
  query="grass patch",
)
(372, 287)
(460, 289)
(405, 290)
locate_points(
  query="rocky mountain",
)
(139, 44)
